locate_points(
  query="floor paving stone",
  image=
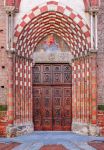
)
(68, 140)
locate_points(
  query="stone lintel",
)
(51, 57)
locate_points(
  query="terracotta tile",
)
(53, 147)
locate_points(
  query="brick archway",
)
(53, 17)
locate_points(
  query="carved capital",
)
(10, 52)
(94, 9)
(93, 50)
(10, 9)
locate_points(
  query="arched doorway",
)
(53, 18)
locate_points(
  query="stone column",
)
(10, 11)
(10, 99)
(92, 31)
(12, 29)
(96, 32)
(93, 25)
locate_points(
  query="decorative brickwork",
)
(20, 105)
(16, 79)
(52, 17)
(84, 92)
(84, 89)
(81, 85)
(23, 90)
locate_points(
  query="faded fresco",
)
(52, 43)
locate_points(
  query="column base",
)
(85, 129)
(19, 129)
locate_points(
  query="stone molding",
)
(85, 128)
(19, 129)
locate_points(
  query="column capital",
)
(10, 52)
(92, 50)
(10, 9)
(94, 9)
(92, 53)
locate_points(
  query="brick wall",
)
(3, 56)
(100, 57)
(3, 67)
(100, 66)
(101, 122)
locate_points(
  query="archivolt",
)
(52, 17)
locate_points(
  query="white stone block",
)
(52, 7)
(37, 12)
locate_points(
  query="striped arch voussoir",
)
(67, 21)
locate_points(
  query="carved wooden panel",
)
(67, 95)
(37, 106)
(57, 74)
(47, 74)
(67, 74)
(52, 96)
(37, 74)
(57, 108)
(47, 108)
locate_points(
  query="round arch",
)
(52, 17)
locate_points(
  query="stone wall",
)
(100, 57)
(101, 122)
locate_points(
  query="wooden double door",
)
(52, 96)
